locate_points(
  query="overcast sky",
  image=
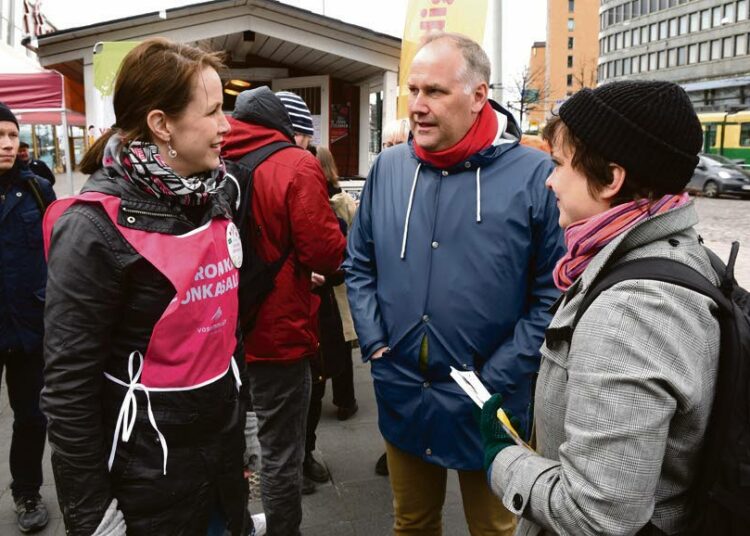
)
(523, 21)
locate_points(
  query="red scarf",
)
(586, 238)
(480, 136)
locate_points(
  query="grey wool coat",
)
(621, 411)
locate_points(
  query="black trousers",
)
(23, 376)
(343, 397)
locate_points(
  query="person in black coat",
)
(37, 167)
(23, 274)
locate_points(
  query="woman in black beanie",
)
(624, 396)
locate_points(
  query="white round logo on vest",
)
(234, 244)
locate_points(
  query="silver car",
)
(717, 175)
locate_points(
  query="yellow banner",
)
(466, 17)
(107, 59)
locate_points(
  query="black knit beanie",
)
(647, 127)
(7, 115)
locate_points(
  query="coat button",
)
(130, 219)
(426, 385)
(517, 501)
(467, 165)
(435, 245)
(445, 173)
(425, 318)
(674, 242)
(428, 452)
(19, 194)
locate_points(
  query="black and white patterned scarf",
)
(141, 164)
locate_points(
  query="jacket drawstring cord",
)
(408, 211)
(479, 196)
(129, 408)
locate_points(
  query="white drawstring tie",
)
(408, 211)
(479, 196)
(129, 409)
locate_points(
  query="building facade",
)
(537, 83)
(700, 44)
(570, 55)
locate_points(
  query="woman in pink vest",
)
(141, 388)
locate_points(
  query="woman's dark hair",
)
(596, 168)
(156, 75)
(329, 166)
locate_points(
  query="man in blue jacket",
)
(450, 264)
(23, 276)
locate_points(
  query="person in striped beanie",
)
(300, 115)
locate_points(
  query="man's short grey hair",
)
(476, 63)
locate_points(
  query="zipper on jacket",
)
(147, 213)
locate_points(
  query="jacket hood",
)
(260, 106)
(508, 136)
(245, 137)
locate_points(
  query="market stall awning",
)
(38, 98)
(50, 118)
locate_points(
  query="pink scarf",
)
(585, 238)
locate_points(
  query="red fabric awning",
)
(51, 118)
(32, 90)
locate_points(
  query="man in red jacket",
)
(290, 214)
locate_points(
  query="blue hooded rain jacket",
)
(463, 257)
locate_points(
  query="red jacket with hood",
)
(290, 207)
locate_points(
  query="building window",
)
(716, 49)
(654, 6)
(716, 16)
(570, 43)
(626, 39)
(728, 47)
(729, 12)
(741, 10)
(671, 58)
(705, 51)
(571, 25)
(684, 24)
(644, 7)
(652, 62)
(693, 54)
(644, 63)
(681, 56)
(571, 6)
(663, 4)
(695, 22)
(570, 62)
(705, 19)
(611, 42)
(569, 80)
(618, 40)
(653, 33)
(636, 37)
(673, 32)
(635, 9)
(740, 45)
(708, 100)
(626, 66)
(644, 34)
(662, 60)
(663, 28)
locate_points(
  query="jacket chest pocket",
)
(32, 227)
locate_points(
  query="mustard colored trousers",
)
(419, 493)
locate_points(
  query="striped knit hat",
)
(298, 112)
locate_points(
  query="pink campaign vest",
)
(192, 343)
